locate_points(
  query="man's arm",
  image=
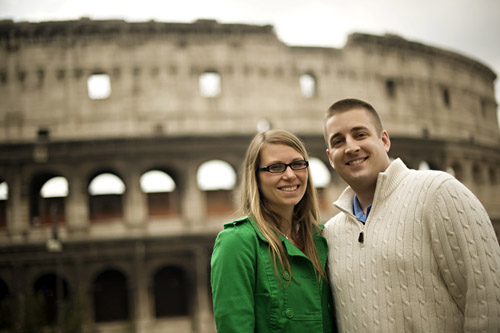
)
(469, 255)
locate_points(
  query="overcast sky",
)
(469, 27)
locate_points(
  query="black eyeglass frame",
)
(291, 165)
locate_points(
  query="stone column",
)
(140, 294)
(193, 201)
(19, 292)
(467, 175)
(203, 317)
(77, 203)
(135, 201)
(18, 205)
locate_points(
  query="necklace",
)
(283, 234)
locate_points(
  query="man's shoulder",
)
(334, 219)
(432, 173)
(435, 177)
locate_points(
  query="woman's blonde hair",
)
(306, 212)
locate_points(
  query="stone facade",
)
(127, 257)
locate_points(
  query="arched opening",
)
(210, 84)
(160, 190)
(477, 174)
(53, 194)
(492, 175)
(457, 171)
(390, 88)
(308, 85)
(111, 300)
(106, 197)
(321, 177)
(51, 291)
(48, 194)
(217, 178)
(450, 171)
(170, 292)
(5, 307)
(99, 86)
(263, 125)
(424, 166)
(446, 97)
(4, 195)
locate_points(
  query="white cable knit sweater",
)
(429, 260)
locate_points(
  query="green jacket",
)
(247, 295)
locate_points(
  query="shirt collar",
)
(358, 211)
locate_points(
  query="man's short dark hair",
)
(349, 104)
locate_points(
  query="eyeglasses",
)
(281, 167)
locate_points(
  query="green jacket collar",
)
(291, 249)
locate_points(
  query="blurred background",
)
(123, 126)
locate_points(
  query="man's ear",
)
(386, 140)
(329, 158)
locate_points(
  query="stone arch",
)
(390, 88)
(49, 290)
(105, 189)
(477, 174)
(427, 165)
(170, 288)
(210, 84)
(492, 175)
(308, 85)
(160, 187)
(110, 296)
(217, 178)
(47, 206)
(6, 306)
(99, 85)
(445, 94)
(4, 196)
(458, 171)
(322, 177)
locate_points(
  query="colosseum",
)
(120, 145)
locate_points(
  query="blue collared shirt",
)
(358, 212)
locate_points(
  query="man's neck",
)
(365, 197)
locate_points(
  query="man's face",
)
(356, 151)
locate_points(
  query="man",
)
(410, 251)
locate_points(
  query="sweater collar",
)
(387, 182)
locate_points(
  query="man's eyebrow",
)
(352, 130)
(333, 136)
(358, 128)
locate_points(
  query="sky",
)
(469, 27)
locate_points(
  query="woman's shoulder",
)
(236, 234)
(244, 221)
(240, 228)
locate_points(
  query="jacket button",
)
(286, 276)
(289, 313)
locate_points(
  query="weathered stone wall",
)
(154, 70)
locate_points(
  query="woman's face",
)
(281, 190)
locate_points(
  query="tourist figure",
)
(268, 267)
(410, 251)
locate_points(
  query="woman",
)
(268, 268)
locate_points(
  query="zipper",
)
(361, 237)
